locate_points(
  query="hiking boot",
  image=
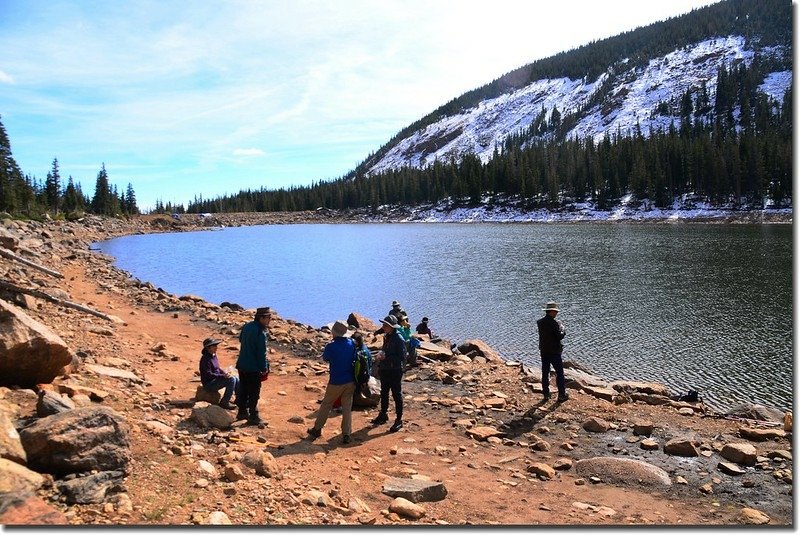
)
(346, 439)
(545, 396)
(313, 432)
(396, 426)
(562, 399)
(228, 405)
(382, 418)
(255, 419)
(241, 415)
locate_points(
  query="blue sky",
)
(185, 98)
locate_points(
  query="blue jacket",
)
(340, 354)
(253, 349)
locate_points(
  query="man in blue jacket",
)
(341, 355)
(252, 364)
(551, 332)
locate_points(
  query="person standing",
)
(252, 364)
(340, 354)
(213, 378)
(392, 360)
(551, 332)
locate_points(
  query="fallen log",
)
(11, 256)
(5, 285)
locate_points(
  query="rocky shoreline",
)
(479, 448)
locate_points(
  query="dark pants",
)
(230, 384)
(558, 366)
(249, 391)
(392, 379)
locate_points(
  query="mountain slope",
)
(633, 92)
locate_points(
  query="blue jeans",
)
(558, 366)
(231, 385)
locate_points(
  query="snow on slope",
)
(633, 98)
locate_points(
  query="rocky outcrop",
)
(656, 389)
(361, 322)
(754, 411)
(30, 352)
(623, 471)
(481, 349)
(79, 440)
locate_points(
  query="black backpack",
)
(360, 368)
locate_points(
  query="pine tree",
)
(101, 202)
(52, 188)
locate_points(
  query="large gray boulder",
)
(50, 403)
(30, 353)
(212, 416)
(80, 440)
(754, 411)
(624, 472)
(415, 490)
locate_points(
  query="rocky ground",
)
(116, 437)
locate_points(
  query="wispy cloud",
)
(248, 152)
(6, 78)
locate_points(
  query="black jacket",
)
(550, 336)
(394, 348)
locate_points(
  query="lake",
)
(706, 307)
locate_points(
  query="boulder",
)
(643, 428)
(754, 516)
(92, 488)
(262, 462)
(361, 322)
(407, 509)
(50, 403)
(657, 389)
(577, 379)
(682, 446)
(210, 396)
(596, 425)
(8, 240)
(80, 440)
(624, 472)
(315, 497)
(482, 348)
(10, 444)
(212, 416)
(30, 352)
(740, 453)
(19, 509)
(16, 479)
(217, 518)
(483, 432)
(754, 411)
(415, 490)
(233, 473)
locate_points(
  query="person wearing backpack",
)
(340, 354)
(391, 360)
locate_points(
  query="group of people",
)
(341, 354)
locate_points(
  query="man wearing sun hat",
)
(213, 377)
(551, 332)
(252, 364)
(340, 354)
(392, 363)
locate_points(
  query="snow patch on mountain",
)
(630, 97)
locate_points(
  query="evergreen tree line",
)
(768, 22)
(27, 196)
(735, 149)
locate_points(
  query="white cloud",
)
(248, 152)
(6, 78)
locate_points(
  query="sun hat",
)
(390, 320)
(425, 320)
(551, 305)
(208, 342)
(395, 304)
(339, 328)
(263, 311)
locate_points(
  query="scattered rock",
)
(483, 432)
(218, 518)
(761, 435)
(407, 509)
(596, 425)
(212, 416)
(233, 473)
(649, 444)
(643, 428)
(21, 509)
(50, 403)
(754, 516)
(415, 490)
(262, 462)
(730, 469)
(315, 497)
(740, 453)
(623, 471)
(682, 446)
(542, 470)
(562, 464)
(10, 444)
(92, 488)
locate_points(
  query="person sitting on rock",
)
(397, 310)
(423, 328)
(340, 354)
(213, 377)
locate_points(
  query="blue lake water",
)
(707, 307)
